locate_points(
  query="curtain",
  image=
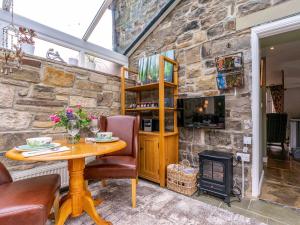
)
(277, 93)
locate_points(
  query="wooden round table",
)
(79, 199)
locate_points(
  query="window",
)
(41, 48)
(102, 34)
(71, 17)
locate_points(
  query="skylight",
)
(71, 17)
(102, 35)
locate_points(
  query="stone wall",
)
(199, 31)
(30, 95)
(130, 17)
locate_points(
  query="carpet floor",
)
(155, 206)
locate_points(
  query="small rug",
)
(155, 206)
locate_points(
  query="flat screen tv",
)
(203, 112)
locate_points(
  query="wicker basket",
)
(182, 178)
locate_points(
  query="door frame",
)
(257, 33)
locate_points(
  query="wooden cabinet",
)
(149, 157)
(156, 149)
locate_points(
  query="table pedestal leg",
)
(79, 198)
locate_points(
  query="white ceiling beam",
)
(60, 38)
(96, 19)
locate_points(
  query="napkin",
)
(44, 152)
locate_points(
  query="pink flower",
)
(56, 119)
(78, 106)
(93, 117)
(69, 110)
(52, 117)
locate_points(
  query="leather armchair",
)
(27, 202)
(122, 164)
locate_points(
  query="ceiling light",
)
(272, 48)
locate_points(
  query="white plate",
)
(30, 149)
(113, 139)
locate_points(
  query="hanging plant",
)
(27, 35)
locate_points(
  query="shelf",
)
(156, 133)
(149, 109)
(149, 87)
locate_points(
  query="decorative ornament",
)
(11, 53)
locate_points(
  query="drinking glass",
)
(73, 128)
(94, 127)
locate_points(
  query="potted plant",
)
(62, 119)
(26, 40)
(90, 63)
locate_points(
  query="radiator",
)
(60, 168)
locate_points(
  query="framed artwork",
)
(230, 71)
(149, 68)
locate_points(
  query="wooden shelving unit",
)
(156, 149)
(150, 109)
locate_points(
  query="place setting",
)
(100, 137)
(40, 146)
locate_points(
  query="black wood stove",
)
(216, 174)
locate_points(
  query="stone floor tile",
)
(245, 212)
(276, 212)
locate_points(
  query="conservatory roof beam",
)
(96, 19)
(57, 37)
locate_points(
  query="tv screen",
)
(204, 112)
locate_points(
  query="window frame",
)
(54, 36)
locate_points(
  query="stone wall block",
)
(14, 120)
(105, 99)
(41, 103)
(57, 77)
(192, 55)
(252, 6)
(207, 83)
(216, 138)
(8, 140)
(14, 82)
(88, 85)
(98, 78)
(193, 70)
(43, 92)
(42, 124)
(26, 75)
(7, 94)
(84, 102)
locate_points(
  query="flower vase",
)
(74, 140)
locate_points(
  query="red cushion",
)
(29, 201)
(111, 167)
(122, 127)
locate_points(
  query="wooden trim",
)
(149, 87)
(123, 94)
(162, 169)
(175, 95)
(162, 139)
(133, 192)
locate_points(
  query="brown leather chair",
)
(27, 202)
(121, 164)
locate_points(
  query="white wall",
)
(292, 103)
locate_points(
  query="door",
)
(149, 158)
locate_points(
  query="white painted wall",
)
(292, 103)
